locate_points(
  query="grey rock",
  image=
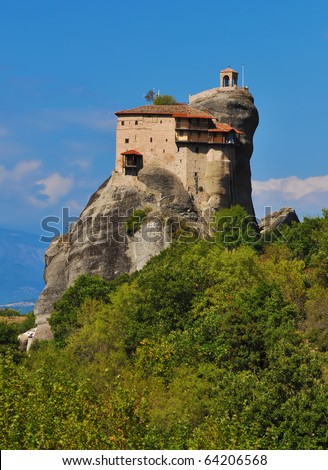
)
(171, 189)
(98, 242)
(286, 215)
(235, 107)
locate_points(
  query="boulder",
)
(234, 106)
(286, 215)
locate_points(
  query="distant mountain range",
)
(21, 267)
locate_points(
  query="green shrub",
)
(234, 227)
(64, 319)
(8, 312)
(135, 221)
(164, 100)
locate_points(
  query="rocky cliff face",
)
(235, 106)
(285, 216)
(99, 244)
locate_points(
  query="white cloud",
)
(24, 167)
(293, 188)
(19, 172)
(49, 190)
(308, 195)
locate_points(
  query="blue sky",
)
(67, 66)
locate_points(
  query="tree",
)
(234, 227)
(316, 322)
(158, 99)
(164, 99)
(64, 320)
(150, 96)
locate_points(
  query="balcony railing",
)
(191, 126)
(203, 138)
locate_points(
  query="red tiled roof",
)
(174, 110)
(205, 115)
(178, 110)
(221, 127)
(131, 152)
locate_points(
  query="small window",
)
(151, 139)
(122, 123)
(136, 123)
(126, 141)
(160, 122)
(163, 150)
(165, 140)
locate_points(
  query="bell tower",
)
(228, 78)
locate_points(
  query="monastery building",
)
(187, 141)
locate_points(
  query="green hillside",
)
(215, 344)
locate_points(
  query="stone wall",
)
(193, 163)
(153, 137)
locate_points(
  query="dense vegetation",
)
(12, 324)
(215, 344)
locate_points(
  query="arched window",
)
(226, 81)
